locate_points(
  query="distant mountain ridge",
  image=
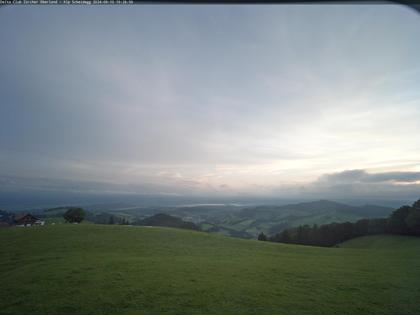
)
(324, 206)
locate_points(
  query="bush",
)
(74, 215)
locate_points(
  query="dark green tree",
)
(416, 205)
(74, 215)
(302, 234)
(361, 227)
(285, 236)
(413, 221)
(397, 223)
(262, 237)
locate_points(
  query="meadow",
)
(106, 269)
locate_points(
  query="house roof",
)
(22, 216)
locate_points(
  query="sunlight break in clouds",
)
(211, 99)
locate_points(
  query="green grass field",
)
(94, 269)
(384, 242)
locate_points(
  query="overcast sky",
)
(213, 99)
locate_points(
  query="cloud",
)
(348, 184)
(361, 183)
(398, 177)
(211, 99)
(362, 176)
(345, 177)
(11, 184)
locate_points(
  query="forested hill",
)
(403, 221)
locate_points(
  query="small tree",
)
(125, 221)
(73, 215)
(262, 237)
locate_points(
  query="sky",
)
(275, 100)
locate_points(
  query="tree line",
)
(77, 215)
(404, 221)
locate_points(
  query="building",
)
(27, 219)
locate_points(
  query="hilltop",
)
(108, 269)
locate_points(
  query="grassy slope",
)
(91, 269)
(385, 242)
